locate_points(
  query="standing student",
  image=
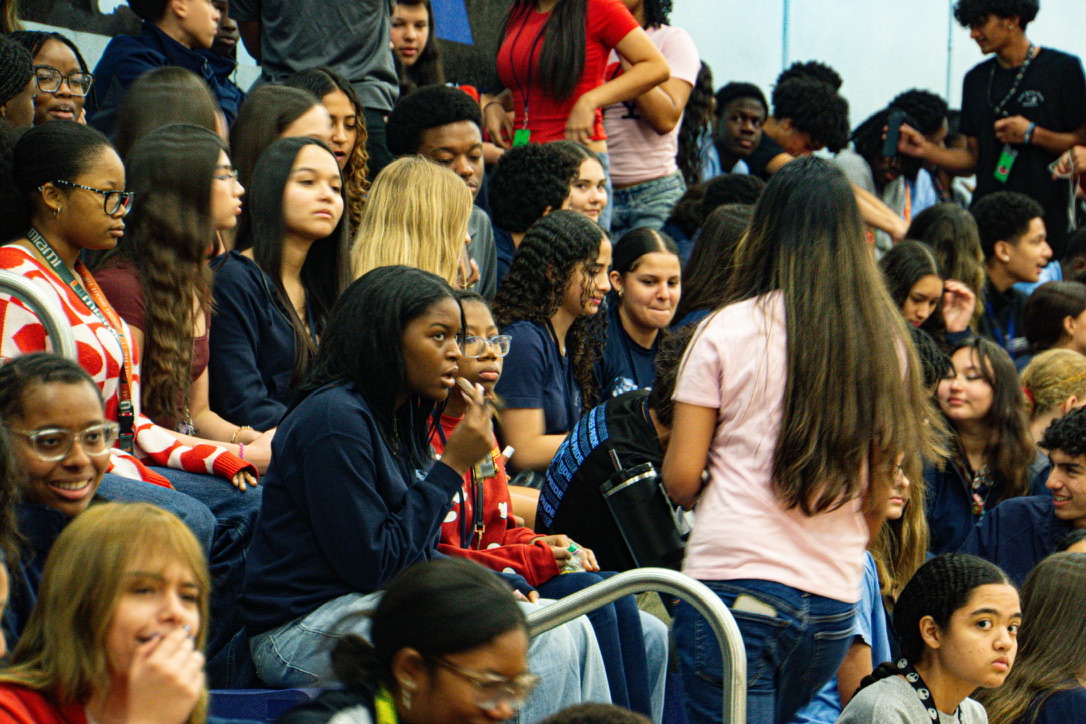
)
(780, 535)
(272, 300)
(957, 621)
(549, 304)
(1048, 682)
(415, 47)
(646, 276)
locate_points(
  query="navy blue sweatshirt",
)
(1017, 535)
(340, 514)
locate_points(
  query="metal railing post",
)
(50, 315)
(663, 580)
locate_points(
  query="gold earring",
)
(56, 212)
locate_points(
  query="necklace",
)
(998, 108)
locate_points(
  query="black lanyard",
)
(109, 319)
(998, 108)
(531, 54)
(916, 681)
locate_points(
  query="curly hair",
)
(1067, 434)
(868, 137)
(928, 110)
(321, 81)
(970, 13)
(557, 250)
(1004, 216)
(812, 69)
(731, 188)
(814, 108)
(169, 234)
(657, 12)
(526, 182)
(686, 213)
(423, 109)
(735, 90)
(697, 120)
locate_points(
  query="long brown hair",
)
(848, 402)
(62, 652)
(170, 234)
(1051, 643)
(901, 546)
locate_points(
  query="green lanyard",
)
(384, 708)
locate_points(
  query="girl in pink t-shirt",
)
(788, 396)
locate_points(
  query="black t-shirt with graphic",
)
(1052, 94)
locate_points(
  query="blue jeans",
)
(645, 204)
(633, 644)
(192, 512)
(296, 654)
(794, 643)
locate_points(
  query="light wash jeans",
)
(646, 204)
(296, 654)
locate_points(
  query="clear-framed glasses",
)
(492, 690)
(49, 79)
(52, 444)
(225, 174)
(113, 201)
(477, 346)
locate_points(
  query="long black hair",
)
(363, 345)
(427, 69)
(325, 272)
(905, 265)
(555, 250)
(706, 274)
(561, 62)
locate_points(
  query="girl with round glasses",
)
(60, 74)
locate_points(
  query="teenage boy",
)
(1019, 532)
(741, 110)
(1021, 109)
(1012, 237)
(442, 124)
(175, 32)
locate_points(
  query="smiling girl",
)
(588, 183)
(61, 75)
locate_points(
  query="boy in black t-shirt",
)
(1021, 109)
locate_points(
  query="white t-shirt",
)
(894, 701)
(737, 364)
(638, 153)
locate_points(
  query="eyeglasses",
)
(113, 202)
(52, 444)
(225, 175)
(477, 346)
(49, 79)
(492, 690)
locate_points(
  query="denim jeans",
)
(794, 644)
(645, 204)
(296, 654)
(193, 513)
(633, 644)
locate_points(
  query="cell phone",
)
(893, 132)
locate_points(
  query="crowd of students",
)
(348, 340)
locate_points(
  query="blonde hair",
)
(62, 652)
(1052, 377)
(416, 214)
(901, 546)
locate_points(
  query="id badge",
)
(1005, 163)
(521, 137)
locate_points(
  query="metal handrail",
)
(697, 594)
(49, 313)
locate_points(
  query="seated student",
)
(951, 232)
(991, 450)
(1046, 684)
(497, 542)
(741, 110)
(1018, 533)
(162, 97)
(1054, 383)
(269, 113)
(119, 626)
(944, 309)
(549, 304)
(527, 183)
(587, 181)
(1054, 318)
(60, 74)
(685, 220)
(957, 621)
(186, 193)
(1012, 237)
(443, 124)
(18, 88)
(271, 301)
(707, 270)
(428, 640)
(646, 281)
(175, 32)
(348, 137)
(1073, 263)
(929, 113)
(417, 215)
(636, 427)
(354, 496)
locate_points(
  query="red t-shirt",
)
(606, 23)
(19, 705)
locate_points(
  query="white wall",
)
(880, 47)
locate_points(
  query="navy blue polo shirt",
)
(1017, 534)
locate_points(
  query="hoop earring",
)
(406, 687)
(56, 212)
